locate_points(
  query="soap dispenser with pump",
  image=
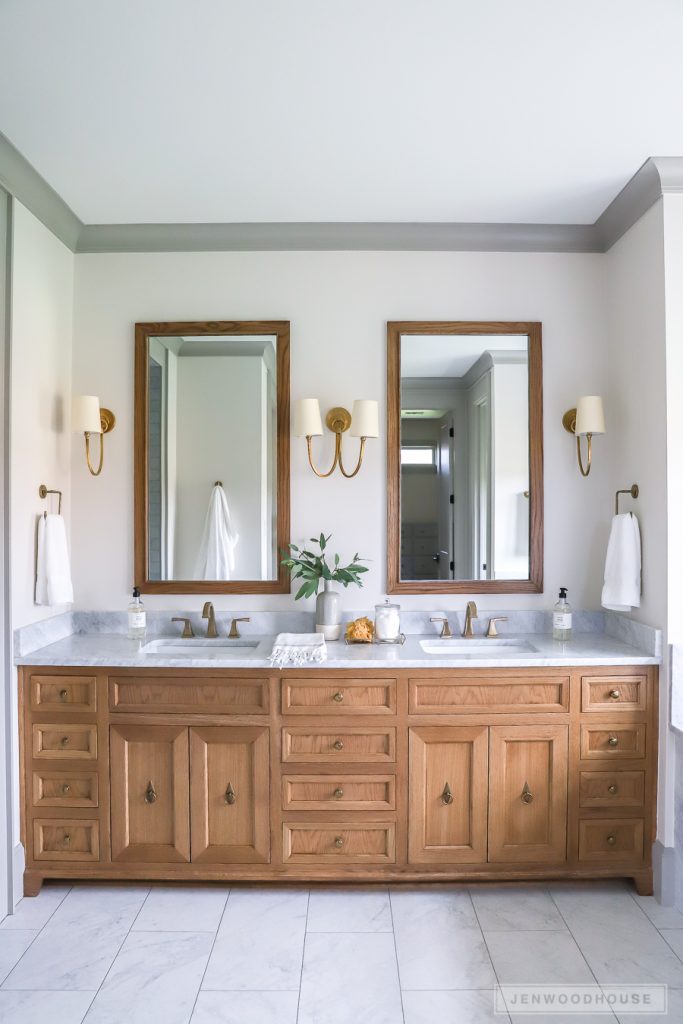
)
(137, 617)
(562, 617)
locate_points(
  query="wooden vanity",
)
(391, 774)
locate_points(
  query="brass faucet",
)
(208, 613)
(470, 613)
(234, 633)
(445, 628)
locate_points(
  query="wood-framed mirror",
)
(464, 457)
(212, 507)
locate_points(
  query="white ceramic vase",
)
(328, 613)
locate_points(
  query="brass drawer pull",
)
(66, 838)
(64, 741)
(150, 793)
(338, 793)
(613, 741)
(447, 796)
(338, 744)
(615, 694)
(230, 796)
(66, 788)
(338, 842)
(612, 788)
(527, 795)
(338, 696)
(611, 840)
(63, 694)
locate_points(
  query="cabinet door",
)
(230, 795)
(448, 785)
(150, 791)
(528, 793)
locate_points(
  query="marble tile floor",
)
(208, 954)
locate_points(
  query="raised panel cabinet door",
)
(528, 793)
(150, 793)
(448, 786)
(230, 795)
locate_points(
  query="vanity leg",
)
(643, 883)
(33, 883)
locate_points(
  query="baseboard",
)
(664, 869)
(18, 863)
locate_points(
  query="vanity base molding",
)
(394, 775)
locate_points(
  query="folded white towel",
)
(216, 558)
(621, 591)
(53, 571)
(298, 649)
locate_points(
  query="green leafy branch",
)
(312, 568)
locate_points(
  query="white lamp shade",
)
(307, 421)
(365, 418)
(590, 417)
(85, 415)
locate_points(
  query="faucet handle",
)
(187, 628)
(445, 628)
(491, 630)
(234, 633)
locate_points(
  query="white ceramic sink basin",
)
(478, 647)
(199, 647)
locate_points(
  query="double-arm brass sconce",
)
(363, 422)
(586, 420)
(90, 418)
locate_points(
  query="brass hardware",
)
(445, 628)
(527, 795)
(107, 422)
(338, 842)
(611, 840)
(338, 420)
(338, 696)
(43, 492)
(338, 793)
(66, 788)
(234, 633)
(63, 694)
(230, 796)
(338, 744)
(64, 741)
(633, 490)
(66, 838)
(470, 613)
(613, 741)
(612, 788)
(208, 613)
(569, 424)
(188, 632)
(447, 796)
(615, 694)
(150, 793)
(491, 630)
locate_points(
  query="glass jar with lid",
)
(387, 622)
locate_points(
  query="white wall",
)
(338, 304)
(510, 470)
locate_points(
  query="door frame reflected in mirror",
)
(143, 332)
(534, 582)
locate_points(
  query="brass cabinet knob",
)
(612, 788)
(150, 793)
(527, 795)
(230, 795)
(338, 793)
(66, 788)
(613, 741)
(338, 696)
(66, 838)
(338, 744)
(63, 694)
(338, 842)
(611, 840)
(615, 694)
(64, 741)
(447, 796)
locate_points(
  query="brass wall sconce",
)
(363, 423)
(89, 418)
(586, 420)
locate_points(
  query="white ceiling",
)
(445, 355)
(364, 110)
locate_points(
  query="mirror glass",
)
(212, 457)
(464, 457)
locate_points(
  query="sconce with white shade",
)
(363, 421)
(586, 420)
(89, 417)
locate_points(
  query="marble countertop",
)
(117, 651)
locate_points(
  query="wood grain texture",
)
(347, 697)
(315, 743)
(66, 741)
(63, 693)
(534, 584)
(339, 792)
(611, 840)
(489, 692)
(239, 696)
(145, 331)
(613, 694)
(612, 742)
(66, 839)
(65, 789)
(330, 842)
(617, 789)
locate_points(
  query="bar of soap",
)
(360, 630)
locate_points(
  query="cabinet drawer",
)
(613, 693)
(612, 789)
(316, 843)
(57, 741)
(66, 839)
(308, 744)
(497, 694)
(65, 789)
(612, 741)
(171, 694)
(338, 793)
(338, 697)
(606, 840)
(73, 693)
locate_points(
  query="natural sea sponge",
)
(361, 630)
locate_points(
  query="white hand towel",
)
(621, 591)
(216, 558)
(53, 571)
(298, 649)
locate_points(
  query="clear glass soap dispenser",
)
(137, 617)
(562, 617)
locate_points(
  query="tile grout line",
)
(39, 932)
(208, 959)
(398, 967)
(303, 957)
(488, 951)
(578, 946)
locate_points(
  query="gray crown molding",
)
(657, 176)
(23, 182)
